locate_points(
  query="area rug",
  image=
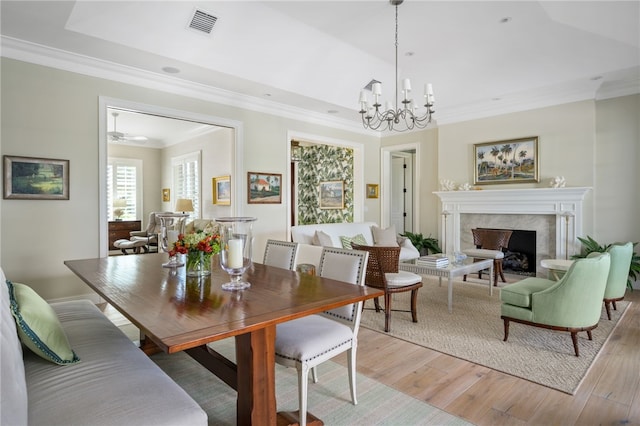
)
(329, 399)
(474, 332)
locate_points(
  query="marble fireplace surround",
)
(544, 210)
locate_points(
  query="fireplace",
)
(554, 214)
(520, 253)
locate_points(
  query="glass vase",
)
(236, 249)
(198, 264)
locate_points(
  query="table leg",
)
(491, 272)
(255, 358)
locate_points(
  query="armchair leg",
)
(506, 329)
(376, 302)
(387, 311)
(607, 306)
(589, 335)
(574, 338)
(414, 303)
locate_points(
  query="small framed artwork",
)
(372, 190)
(221, 190)
(264, 188)
(508, 161)
(30, 178)
(166, 195)
(332, 194)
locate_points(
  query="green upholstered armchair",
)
(573, 304)
(621, 255)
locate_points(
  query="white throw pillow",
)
(384, 237)
(321, 238)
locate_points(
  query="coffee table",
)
(451, 271)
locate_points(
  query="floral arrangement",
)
(198, 246)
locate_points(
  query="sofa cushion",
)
(384, 237)
(13, 386)
(115, 384)
(321, 238)
(38, 325)
(358, 239)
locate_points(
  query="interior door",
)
(402, 191)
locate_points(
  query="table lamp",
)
(118, 209)
(184, 205)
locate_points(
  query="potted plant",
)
(589, 245)
(425, 245)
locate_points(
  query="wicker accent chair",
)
(489, 245)
(383, 273)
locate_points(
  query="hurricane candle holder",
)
(236, 249)
(171, 226)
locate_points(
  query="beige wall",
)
(54, 114)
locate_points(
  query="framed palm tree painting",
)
(508, 161)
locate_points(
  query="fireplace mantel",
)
(566, 204)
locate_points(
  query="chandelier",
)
(395, 118)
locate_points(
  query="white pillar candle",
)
(234, 255)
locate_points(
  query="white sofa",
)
(114, 383)
(310, 248)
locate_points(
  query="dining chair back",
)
(621, 254)
(383, 273)
(306, 342)
(281, 254)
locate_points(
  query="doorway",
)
(399, 186)
(402, 199)
(157, 189)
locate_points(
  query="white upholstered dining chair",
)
(306, 342)
(282, 254)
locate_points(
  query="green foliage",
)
(428, 244)
(589, 245)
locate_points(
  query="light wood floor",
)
(609, 395)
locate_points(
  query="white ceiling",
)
(316, 56)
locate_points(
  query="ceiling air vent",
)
(202, 21)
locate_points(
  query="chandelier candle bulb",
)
(377, 89)
(235, 253)
(388, 106)
(406, 85)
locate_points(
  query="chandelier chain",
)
(395, 118)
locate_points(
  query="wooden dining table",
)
(178, 313)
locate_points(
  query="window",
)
(124, 189)
(186, 180)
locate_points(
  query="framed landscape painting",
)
(508, 161)
(30, 178)
(264, 188)
(222, 190)
(332, 194)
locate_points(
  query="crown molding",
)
(81, 64)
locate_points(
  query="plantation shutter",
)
(124, 182)
(186, 180)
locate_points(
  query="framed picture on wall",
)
(372, 190)
(221, 190)
(332, 194)
(508, 161)
(30, 178)
(264, 188)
